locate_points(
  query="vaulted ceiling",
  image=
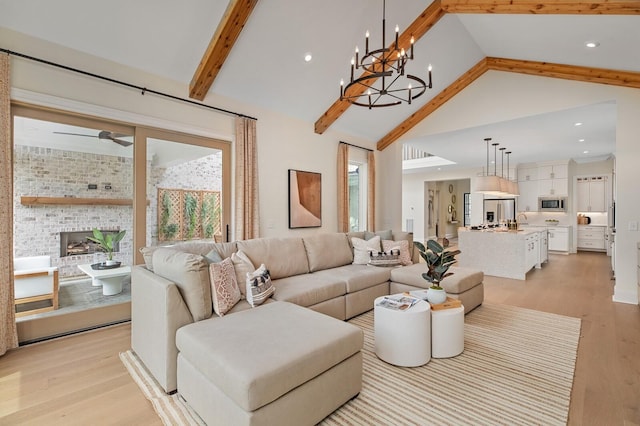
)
(253, 51)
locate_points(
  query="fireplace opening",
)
(76, 243)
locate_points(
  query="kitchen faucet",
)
(521, 214)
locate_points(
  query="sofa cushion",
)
(201, 247)
(242, 266)
(384, 235)
(309, 289)
(326, 251)
(259, 286)
(357, 277)
(242, 360)
(284, 257)
(362, 249)
(224, 287)
(462, 279)
(190, 273)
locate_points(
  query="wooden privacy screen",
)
(186, 214)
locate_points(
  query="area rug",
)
(516, 369)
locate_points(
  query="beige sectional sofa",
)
(171, 295)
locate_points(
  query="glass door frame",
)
(141, 135)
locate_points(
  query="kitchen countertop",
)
(497, 231)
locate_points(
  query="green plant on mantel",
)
(438, 262)
(107, 241)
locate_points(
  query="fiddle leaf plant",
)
(107, 241)
(438, 262)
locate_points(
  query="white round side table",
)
(447, 332)
(403, 338)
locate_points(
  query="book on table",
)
(398, 302)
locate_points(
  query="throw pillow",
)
(224, 286)
(259, 286)
(242, 266)
(403, 246)
(386, 258)
(361, 249)
(213, 257)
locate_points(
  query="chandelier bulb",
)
(412, 40)
(402, 53)
(429, 68)
(397, 28)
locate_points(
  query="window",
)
(357, 195)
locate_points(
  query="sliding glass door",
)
(73, 174)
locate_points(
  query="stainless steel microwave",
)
(552, 204)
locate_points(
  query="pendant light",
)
(513, 186)
(488, 184)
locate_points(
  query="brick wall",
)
(54, 173)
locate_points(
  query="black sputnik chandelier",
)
(384, 81)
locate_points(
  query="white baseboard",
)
(620, 296)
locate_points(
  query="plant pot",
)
(110, 262)
(436, 296)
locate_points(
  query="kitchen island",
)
(501, 253)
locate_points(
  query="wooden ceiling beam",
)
(568, 72)
(436, 102)
(228, 31)
(554, 7)
(629, 79)
(419, 27)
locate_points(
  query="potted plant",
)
(107, 242)
(438, 262)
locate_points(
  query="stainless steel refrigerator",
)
(499, 210)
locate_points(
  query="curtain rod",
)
(143, 90)
(356, 146)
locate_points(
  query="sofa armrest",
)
(157, 312)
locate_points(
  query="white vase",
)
(436, 296)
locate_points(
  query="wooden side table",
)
(447, 332)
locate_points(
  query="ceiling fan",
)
(104, 134)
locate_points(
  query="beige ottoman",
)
(277, 364)
(465, 284)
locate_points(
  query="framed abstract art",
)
(305, 196)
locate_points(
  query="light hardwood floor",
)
(80, 380)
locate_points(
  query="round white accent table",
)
(403, 338)
(447, 332)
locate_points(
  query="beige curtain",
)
(343, 188)
(371, 191)
(8, 333)
(247, 210)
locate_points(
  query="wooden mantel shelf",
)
(42, 201)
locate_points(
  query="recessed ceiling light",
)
(578, 124)
(580, 140)
(585, 152)
(592, 44)
(308, 57)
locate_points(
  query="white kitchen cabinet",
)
(591, 238)
(543, 244)
(528, 199)
(532, 250)
(550, 180)
(527, 174)
(592, 194)
(558, 239)
(556, 186)
(556, 171)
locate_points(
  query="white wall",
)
(499, 96)
(283, 143)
